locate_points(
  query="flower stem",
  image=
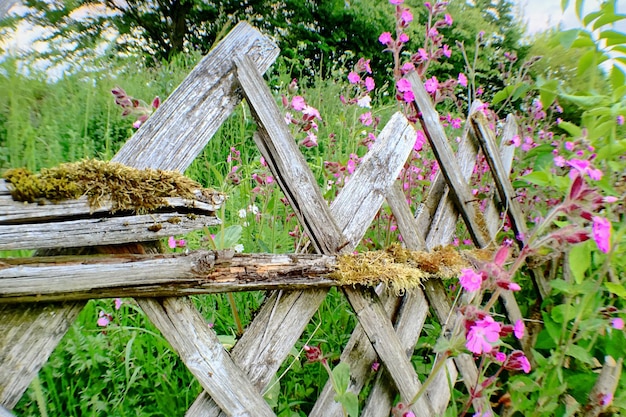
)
(431, 377)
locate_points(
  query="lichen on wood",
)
(125, 188)
(399, 268)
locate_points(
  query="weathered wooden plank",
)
(100, 231)
(13, 212)
(377, 172)
(29, 334)
(160, 275)
(182, 126)
(360, 356)
(286, 162)
(379, 330)
(199, 347)
(448, 164)
(605, 387)
(408, 325)
(328, 239)
(5, 413)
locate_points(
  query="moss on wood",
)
(123, 187)
(401, 269)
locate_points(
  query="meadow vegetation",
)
(569, 175)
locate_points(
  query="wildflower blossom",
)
(118, 303)
(447, 51)
(617, 323)
(517, 362)
(482, 335)
(406, 17)
(420, 139)
(404, 38)
(369, 83)
(606, 399)
(431, 85)
(620, 120)
(448, 19)
(385, 38)
(519, 329)
(602, 233)
(470, 280)
(462, 79)
(353, 77)
(366, 118)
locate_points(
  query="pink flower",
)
(606, 399)
(385, 38)
(602, 233)
(500, 356)
(404, 38)
(406, 17)
(518, 329)
(423, 54)
(470, 280)
(408, 96)
(366, 118)
(419, 141)
(298, 103)
(396, 2)
(482, 335)
(448, 19)
(407, 67)
(559, 161)
(403, 85)
(171, 242)
(462, 79)
(517, 362)
(431, 85)
(353, 77)
(311, 113)
(617, 323)
(369, 83)
(620, 120)
(310, 141)
(118, 303)
(447, 51)
(104, 319)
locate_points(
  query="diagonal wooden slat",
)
(279, 149)
(193, 120)
(185, 122)
(433, 129)
(199, 347)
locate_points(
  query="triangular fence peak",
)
(388, 327)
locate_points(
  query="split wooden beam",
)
(69, 278)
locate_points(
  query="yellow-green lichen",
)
(102, 183)
(399, 268)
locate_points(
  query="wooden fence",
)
(41, 297)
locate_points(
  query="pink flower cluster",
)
(307, 120)
(133, 106)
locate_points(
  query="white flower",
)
(365, 102)
(242, 213)
(238, 248)
(253, 209)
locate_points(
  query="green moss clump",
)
(399, 268)
(102, 182)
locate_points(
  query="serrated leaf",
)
(616, 289)
(579, 261)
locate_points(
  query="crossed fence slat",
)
(388, 327)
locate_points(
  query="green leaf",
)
(537, 178)
(227, 238)
(350, 403)
(616, 289)
(579, 353)
(567, 37)
(613, 37)
(607, 19)
(564, 4)
(341, 375)
(553, 329)
(579, 261)
(573, 130)
(601, 130)
(563, 313)
(591, 17)
(579, 8)
(585, 62)
(584, 40)
(547, 93)
(586, 102)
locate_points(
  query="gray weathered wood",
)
(100, 231)
(379, 330)
(13, 212)
(286, 162)
(182, 126)
(29, 334)
(199, 347)
(201, 272)
(433, 129)
(605, 387)
(278, 151)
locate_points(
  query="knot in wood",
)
(204, 264)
